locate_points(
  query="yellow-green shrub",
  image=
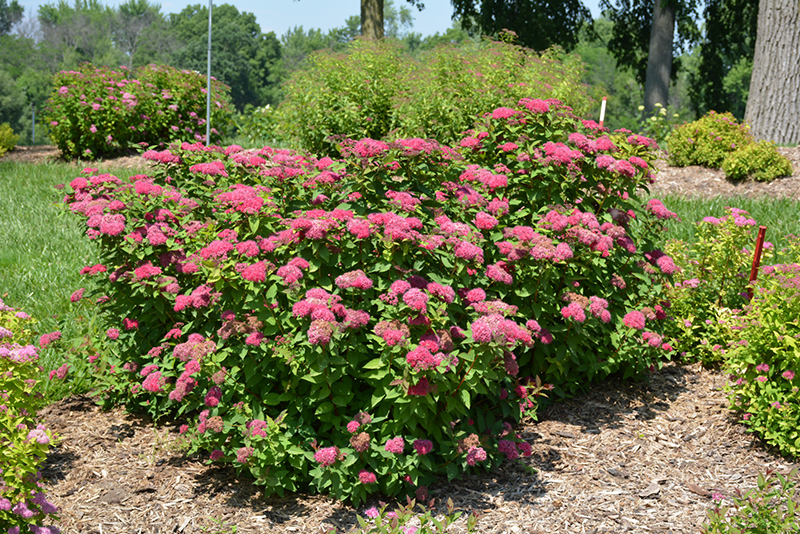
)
(8, 139)
(759, 161)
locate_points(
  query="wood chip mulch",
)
(625, 457)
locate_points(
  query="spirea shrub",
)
(718, 141)
(370, 323)
(23, 442)
(759, 161)
(770, 507)
(375, 90)
(765, 361)
(8, 140)
(94, 112)
(708, 140)
(709, 289)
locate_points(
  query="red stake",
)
(762, 231)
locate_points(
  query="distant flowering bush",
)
(23, 443)
(709, 288)
(763, 366)
(326, 321)
(93, 112)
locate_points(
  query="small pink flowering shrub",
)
(94, 112)
(23, 443)
(765, 364)
(370, 323)
(708, 289)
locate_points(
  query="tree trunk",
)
(659, 58)
(773, 105)
(372, 19)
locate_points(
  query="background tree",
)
(537, 23)
(10, 14)
(242, 56)
(76, 33)
(132, 18)
(773, 106)
(722, 79)
(645, 26)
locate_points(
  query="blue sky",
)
(282, 15)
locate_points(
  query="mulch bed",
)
(625, 457)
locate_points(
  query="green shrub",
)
(769, 508)
(454, 84)
(765, 361)
(8, 140)
(707, 141)
(374, 90)
(709, 288)
(350, 94)
(760, 161)
(373, 323)
(23, 443)
(95, 112)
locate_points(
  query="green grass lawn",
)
(780, 216)
(42, 249)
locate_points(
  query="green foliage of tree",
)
(132, 21)
(10, 14)
(722, 81)
(78, 33)
(242, 56)
(632, 23)
(12, 101)
(606, 78)
(538, 24)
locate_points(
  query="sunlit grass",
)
(780, 216)
(42, 250)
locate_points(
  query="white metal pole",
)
(208, 80)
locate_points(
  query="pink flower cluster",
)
(496, 328)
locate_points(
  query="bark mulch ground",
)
(625, 457)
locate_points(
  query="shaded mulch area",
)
(625, 457)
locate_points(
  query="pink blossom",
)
(415, 299)
(475, 455)
(153, 382)
(788, 375)
(498, 273)
(484, 221)
(366, 477)
(762, 368)
(503, 113)
(395, 445)
(243, 454)
(327, 456)
(256, 272)
(112, 333)
(77, 295)
(423, 446)
(634, 319)
(574, 311)
(475, 295)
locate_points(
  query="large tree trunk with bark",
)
(372, 19)
(773, 105)
(659, 58)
